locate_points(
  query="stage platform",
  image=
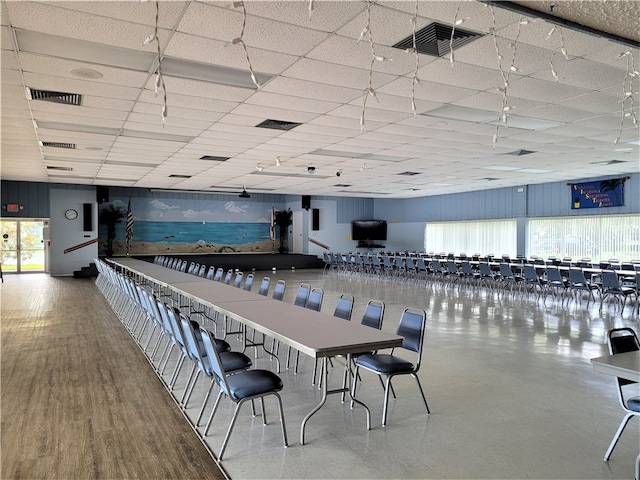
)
(246, 262)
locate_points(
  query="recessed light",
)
(85, 73)
(94, 148)
(629, 149)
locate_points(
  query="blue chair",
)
(248, 283)
(241, 387)
(303, 293)
(278, 291)
(623, 340)
(611, 287)
(218, 275)
(314, 300)
(237, 282)
(264, 286)
(580, 283)
(344, 307)
(411, 328)
(211, 272)
(227, 277)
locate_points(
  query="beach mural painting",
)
(162, 226)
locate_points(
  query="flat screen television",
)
(368, 230)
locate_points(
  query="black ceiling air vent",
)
(277, 125)
(213, 158)
(435, 39)
(56, 97)
(71, 146)
(53, 167)
(519, 153)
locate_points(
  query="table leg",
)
(325, 378)
(351, 393)
(251, 343)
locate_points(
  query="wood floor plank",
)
(79, 399)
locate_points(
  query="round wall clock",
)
(71, 214)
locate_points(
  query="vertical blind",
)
(498, 237)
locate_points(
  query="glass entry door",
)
(22, 246)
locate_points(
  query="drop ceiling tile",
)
(158, 128)
(6, 38)
(461, 74)
(434, 93)
(582, 73)
(259, 32)
(137, 12)
(179, 112)
(39, 17)
(333, 74)
(188, 101)
(312, 90)
(197, 88)
(170, 121)
(58, 67)
(38, 107)
(346, 51)
(8, 60)
(218, 52)
(371, 113)
(273, 113)
(543, 90)
(346, 122)
(276, 100)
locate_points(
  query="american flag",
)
(129, 227)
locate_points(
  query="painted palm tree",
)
(110, 216)
(612, 186)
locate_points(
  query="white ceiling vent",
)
(56, 97)
(435, 39)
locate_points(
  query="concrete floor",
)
(508, 380)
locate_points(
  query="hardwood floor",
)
(79, 399)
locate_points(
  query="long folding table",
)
(316, 334)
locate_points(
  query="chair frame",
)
(411, 342)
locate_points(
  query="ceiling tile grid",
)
(356, 114)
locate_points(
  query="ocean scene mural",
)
(165, 226)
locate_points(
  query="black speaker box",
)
(87, 217)
(306, 202)
(102, 194)
(315, 219)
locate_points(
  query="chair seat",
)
(384, 363)
(232, 361)
(634, 404)
(253, 382)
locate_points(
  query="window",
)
(496, 237)
(594, 237)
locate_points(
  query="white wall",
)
(69, 233)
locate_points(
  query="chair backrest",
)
(314, 300)
(183, 266)
(485, 269)
(554, 276)
(227, 277)
(467, 269)
(302, 295)
(623, 340)
(505, 270)
(192, 267)
(452, 267)
(278, 291)
(202, 271)
(191, 343)
(576, 277)
(373, 314)
(344, 307)
(238, 280)
(610, 280)
(214, 362)
(211, 272)
(248, 283)
(411, 329)
(219, 274)
(530, 273)
(264, 286)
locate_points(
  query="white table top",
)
(314, 333)
(624, 365)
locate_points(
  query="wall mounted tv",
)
(368, 230)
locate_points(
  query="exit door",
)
(22, 245)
